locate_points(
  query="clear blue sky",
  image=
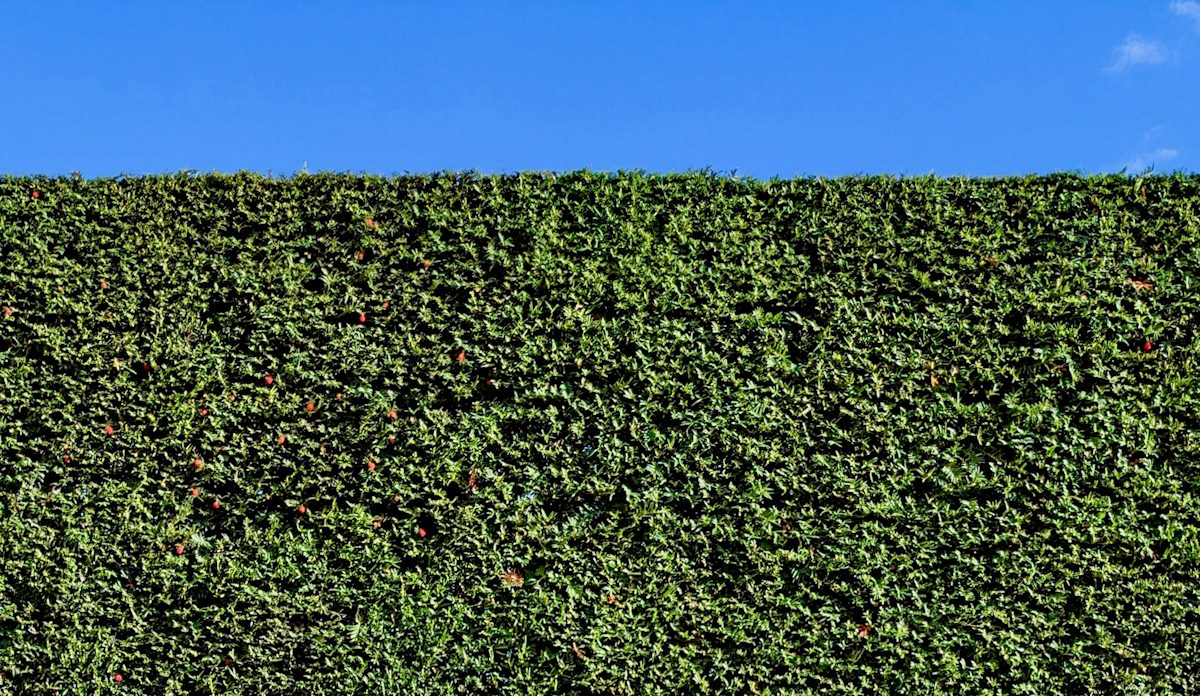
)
(764, 89)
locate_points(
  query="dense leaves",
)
(612, 433)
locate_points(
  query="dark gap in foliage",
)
(805, 307)
(844, 593)
(498, 392)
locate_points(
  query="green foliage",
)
(860, 435)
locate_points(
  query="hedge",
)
(599, 433)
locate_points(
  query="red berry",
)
(490, 383)
(421, 532)
(392, 440)
(204, 411)
(179, 549)
(425, 263)
(227, 661)
(310, 407)
(197, 462)
(362, 318)
(462, 356)
(146, 367)
(338, 396)
(371, 466)
(35, 196)
(386, 304)
(216, 505)
(302, 510)
(108, 430)
(8, 311)
(67, 459)
(1148, 346)
(195, 492)
(392, 413)
(282, 439)
(116, 677)
(269, 380)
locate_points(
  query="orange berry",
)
(302, 510)
(108, 430)
(371, 466)
(310, 407)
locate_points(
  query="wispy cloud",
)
(1137, 50)
(1159, 156)
(1188, 9)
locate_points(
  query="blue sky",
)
(761, 89)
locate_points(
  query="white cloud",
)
(1162, 154)
(1137, 51)
(1188, 9)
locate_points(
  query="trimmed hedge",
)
(599, 433)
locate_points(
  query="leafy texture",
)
(631, 434)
